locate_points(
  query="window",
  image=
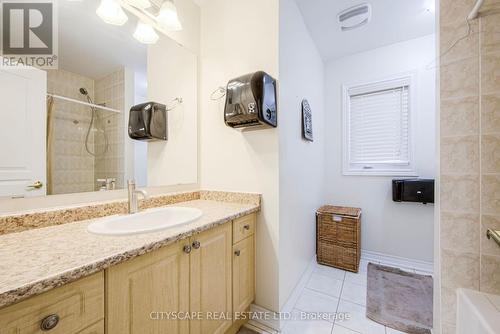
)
(377, 128)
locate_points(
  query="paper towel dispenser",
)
(413, 190)
(148, 122)
(251, 102)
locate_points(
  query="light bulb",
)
(145, 33)
(167, 18)
(142, 4)
(111, 12)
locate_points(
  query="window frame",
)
(380, 169)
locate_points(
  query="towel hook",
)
(176, 102)
(218, 94)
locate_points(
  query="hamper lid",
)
(340, 210)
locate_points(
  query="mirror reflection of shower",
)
(95, 123)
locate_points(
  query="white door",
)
(22, 131)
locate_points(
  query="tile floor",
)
(330, 291)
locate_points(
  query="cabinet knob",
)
(196, 245)
(49, 322)
(187, 249)
(246, 227)
(237, 253)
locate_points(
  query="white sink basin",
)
(144, 222)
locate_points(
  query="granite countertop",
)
(38, 260)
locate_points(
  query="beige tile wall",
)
(72, 167)
(470, 152)
(110, 91)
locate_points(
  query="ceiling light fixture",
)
(355, 17)
(168, 18)
(111, 12)
(141, 4)
(145, 33)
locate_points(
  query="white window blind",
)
(377, 137)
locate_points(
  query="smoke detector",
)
(355, 17)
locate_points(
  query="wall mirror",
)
(65, 130)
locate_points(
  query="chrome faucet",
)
(133, 202)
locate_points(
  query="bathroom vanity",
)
(187, 279)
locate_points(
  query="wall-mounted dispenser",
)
(148, 122)
(251, 102)
(413, 190)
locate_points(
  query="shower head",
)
(83, 91)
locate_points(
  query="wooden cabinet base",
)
(97, 328)
(211, 274)
(236, 326)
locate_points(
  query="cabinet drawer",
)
(78, 307)
(243, 227)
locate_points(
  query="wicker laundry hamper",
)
(338, 237)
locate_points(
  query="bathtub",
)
(478, 312)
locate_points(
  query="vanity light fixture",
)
(162, 18)
(145, 33)
(168, 18)
(111, 12)
(141, 4)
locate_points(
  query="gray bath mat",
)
(399, 299)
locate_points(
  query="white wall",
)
(302, 172)
(398, 229)
(173, 73)
(239, 37)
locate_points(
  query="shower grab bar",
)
(97, 106)
(475, 11)
(495, 235)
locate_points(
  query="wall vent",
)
(355, 17)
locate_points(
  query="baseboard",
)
(399, 262)
(268, 324)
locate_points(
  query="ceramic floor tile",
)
(325, 284)
(357, 278)
(363, 265)
(314, 302)
(354, 293)
(330, 272)
(301, 325)
(337, 329)
(245, 330)
(357, 320)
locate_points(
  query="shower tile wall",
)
(72, 167)
(110, 91)
(470, 153)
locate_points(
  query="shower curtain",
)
(50, 107)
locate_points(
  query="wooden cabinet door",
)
(139, 288)
(243, 274)
(211, 280)
(76, 305)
